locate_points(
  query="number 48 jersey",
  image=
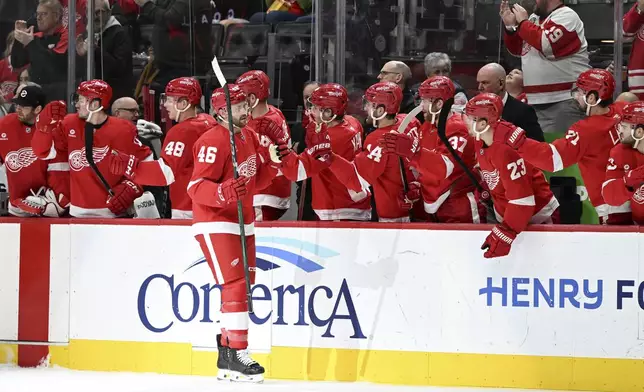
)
(177, 155)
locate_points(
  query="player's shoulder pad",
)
(621, 153)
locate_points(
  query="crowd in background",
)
(36, 52)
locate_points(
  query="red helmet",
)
(218, 99)
(437, 87)
(598, 80)
(387, 94)
(96, 89)
(185, 87)
(256, 83)
(633, 113)
(331, 96)
(485, 105)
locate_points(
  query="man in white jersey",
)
(553, 51)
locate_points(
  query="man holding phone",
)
(45, 51)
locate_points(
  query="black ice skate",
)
(238, 366)
(222, 359)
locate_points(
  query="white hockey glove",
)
(148, 129)
(44, 203)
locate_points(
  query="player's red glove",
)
(319, 145)
(268, 127)
(232, 190)
(406, 200)
(52, 113)
(513, 137)
(123, 164)
(498, 242)
(634, 178)
(400, 144)
(124, 195)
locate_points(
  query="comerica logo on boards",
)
(292, 304)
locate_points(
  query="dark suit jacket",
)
(522, 115)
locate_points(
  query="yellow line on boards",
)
(389, 367)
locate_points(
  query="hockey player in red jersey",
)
(175, 166)
(371, 166)
(331, 199)
(73, 135)
(624, 184)
(35, 187)
(452, 199)
(214, 193)
(519, 191)
(588, 142)
(270, 203)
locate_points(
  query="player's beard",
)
(241, 121)
(27, 120)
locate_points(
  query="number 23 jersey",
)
(513, 181)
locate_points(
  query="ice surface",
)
(13, 379)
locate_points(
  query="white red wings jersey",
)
(88, 195)
(174, 166)
(212, 166)
(587, 143)
(25, 172)
(553, 53)
(278, 193)
(435, 193)
(519, 191)
(614, 190)
(331, 199)
(633, 25)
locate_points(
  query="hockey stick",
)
(442, 129)
(401, 129)
(89, 155)
(233, 153)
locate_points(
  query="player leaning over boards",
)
(625, 169)
(214, 193)
(270, 203)
(332, 200)
(374, 167)
(174, 167)
(95, 192)
(587, 143)
(444, 200)
(519, 191)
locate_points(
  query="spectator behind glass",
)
(491, 79)
(46, 50)
(439, 64)
(8, 74)
(514, 85)
(172, 34)
(112, 51)
(553, 51)
(81, 14)
(282, 11)
(399, 73)
(632, 22)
